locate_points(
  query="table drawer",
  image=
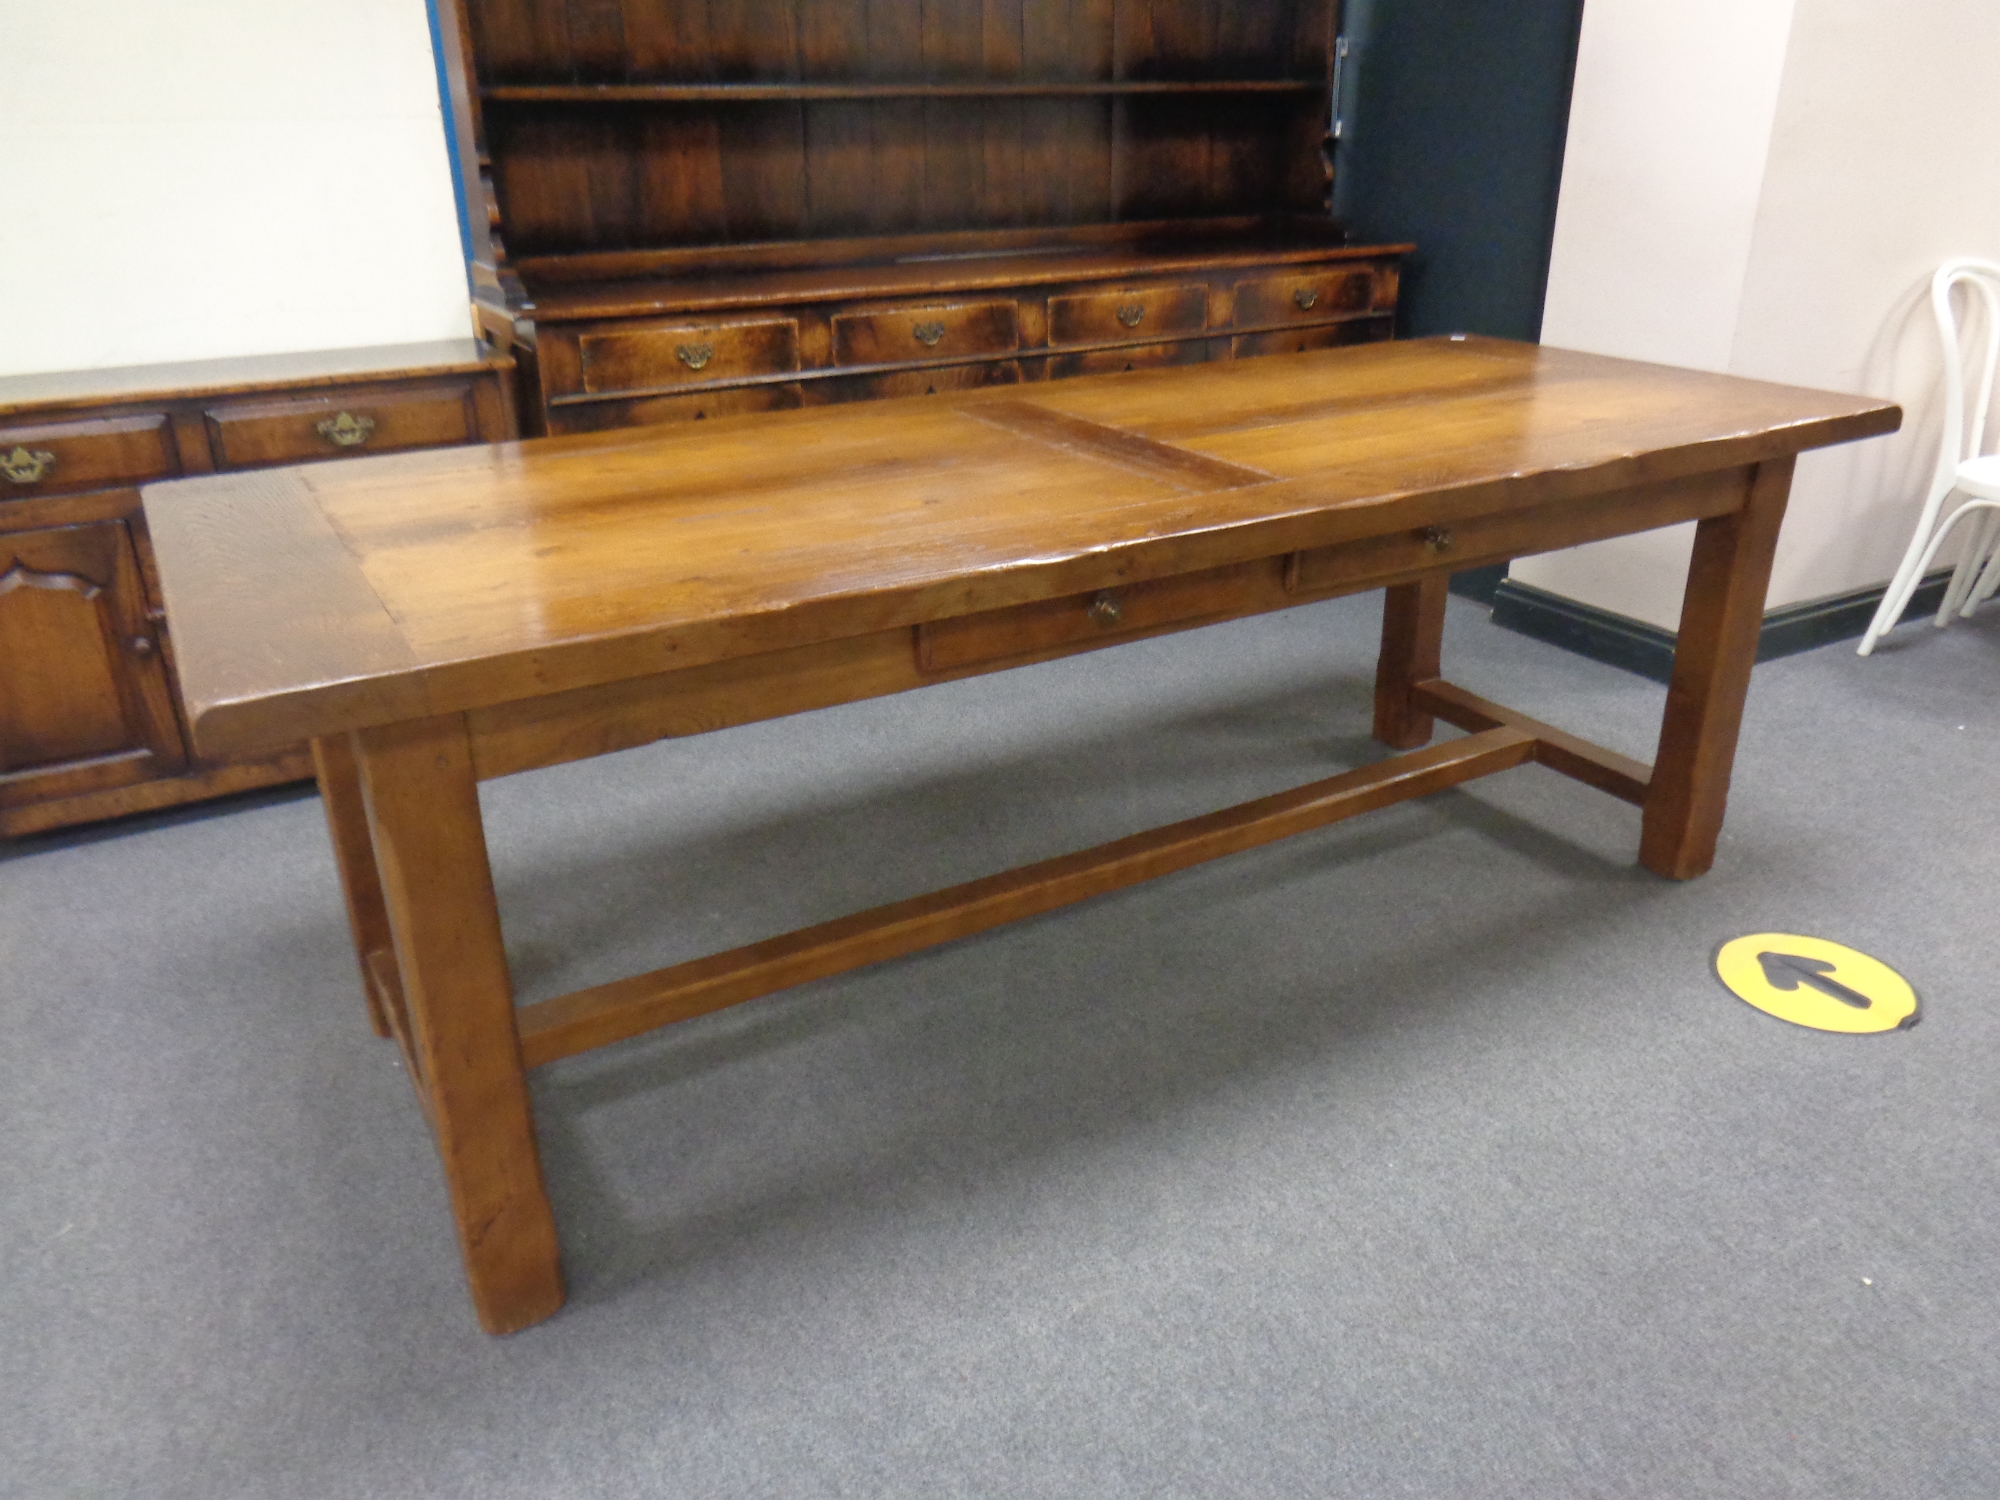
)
(899, 335)
(1298, 340)
(1104, 615)
(1306, 296)
(364, 419)
(53, 458)
(655, 356)
(1143, 312)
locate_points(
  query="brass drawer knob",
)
(1105, 610)
(346, 430)
(694, 356)
(28, 466)
(929, 334)
(1131, 313)
(1306, 296)
(1438, 538)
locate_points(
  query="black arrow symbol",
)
(1785, 971)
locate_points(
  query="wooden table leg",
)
(430, 848)
(1412, 652)
(1721, 616)
(354, 854)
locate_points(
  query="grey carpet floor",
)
(1421, 1156)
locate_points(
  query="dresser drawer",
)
(933, 381)
(1131, 357)
(691, 406)
(54, 458)
(1145, 312)
(1298, 340)
(899, 335)
(363, 419)
(654, 356)
(1304, 297)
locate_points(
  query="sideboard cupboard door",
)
(84, 703)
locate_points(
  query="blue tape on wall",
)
(450, 136)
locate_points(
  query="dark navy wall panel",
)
(1455, 113)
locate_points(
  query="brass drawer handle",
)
(929, 334)
(345, 430)
(694, 356)
(1105, 610)
(1131, 313)
(1306, 296)
(23, 466)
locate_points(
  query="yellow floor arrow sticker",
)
(1811, 982)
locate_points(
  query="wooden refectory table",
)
(431, 619)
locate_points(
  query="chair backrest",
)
(1981, 278)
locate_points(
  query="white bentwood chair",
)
(1961, 466)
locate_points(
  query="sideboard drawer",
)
(1312, 296)
(1145, 312)
(900, 335)
(53, 458)
(650, 357)
(364, 419)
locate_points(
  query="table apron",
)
(590, 721)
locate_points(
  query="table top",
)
(329, 597)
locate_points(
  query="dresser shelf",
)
(754, 93)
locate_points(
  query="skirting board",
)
(1649, 650)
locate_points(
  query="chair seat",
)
(1981, 476)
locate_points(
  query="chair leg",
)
(1987, 546)
(1988, 585)
(1963, 576)
(1967, 571)
(1910, 571)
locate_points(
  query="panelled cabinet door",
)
(84, 705)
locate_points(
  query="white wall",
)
(1846, 128)
(213, 177)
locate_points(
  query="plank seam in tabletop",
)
(1181, 467)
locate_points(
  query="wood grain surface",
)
(311, 601)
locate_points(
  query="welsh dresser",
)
(695, 209)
